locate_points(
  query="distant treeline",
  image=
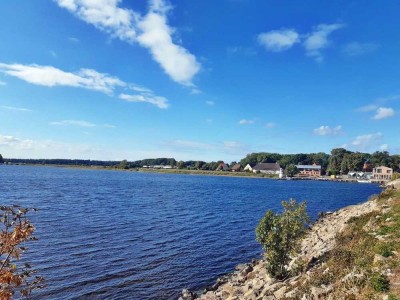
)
(67, 162)
(339, 161)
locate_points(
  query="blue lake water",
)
(129, 235)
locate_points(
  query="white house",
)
(248, 168)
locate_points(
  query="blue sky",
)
(209, 80)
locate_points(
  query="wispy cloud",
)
(80, 123)
(383, 113)
(384, 147)
(150, 31)
(313, 42)
(2, 83)
(356, 48)
(28, 148)
(246, 122)
(316, 41)
(50, 76)
(73, 39)
(278, 40)
(231, 147)
(246, 51)
(84, 78)
(270, 125)
(210, 103)
(158, 101)
(16, 108)
(52, 53)
(367, 108)
(73, 123)
(327, 130)
(367, 141)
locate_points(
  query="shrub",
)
(380, 283)
(15, 230)
(279, 234)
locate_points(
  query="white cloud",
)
(140, 89)
(158, 101)
(318, 40)
(356, 48)
(156, 35)
(73, 123)
(210, 103)
(50, 76)
(150, 31)
(246, 122)
(326, 130)
(384, 147)
(85, 78)
(2, 83)
(16, 108)
(80, 123)
(383, 113)
(270, 125)
(73, 39)
(367, 108)
(278, 40)
(15, 147)
(104, 15)
(367, 141)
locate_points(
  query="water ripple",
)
(127, 235)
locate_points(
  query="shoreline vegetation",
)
(352, 253)
(195, 172)
(336, 165)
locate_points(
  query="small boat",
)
(363, 181)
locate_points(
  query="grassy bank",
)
(365, 263)
(204, 172)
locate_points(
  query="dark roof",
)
(267, 167)
(236, 167)
(312, 167)
(223, 166)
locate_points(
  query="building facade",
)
(309, 170)
(267, 168)
(382, 173)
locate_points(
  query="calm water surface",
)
(128, 235)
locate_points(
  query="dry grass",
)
(369, 250)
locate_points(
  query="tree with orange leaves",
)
(15, 277)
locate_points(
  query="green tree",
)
(381, 158)
(335, 160)
(123, 165)
(180, 164)
(291, 170)
(1, 159)
(279, 235)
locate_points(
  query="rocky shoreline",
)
(251, 281)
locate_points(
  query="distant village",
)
(340, 164)
(367, 174)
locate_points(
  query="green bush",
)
(395, 176)
(279, 234)
(380, 283)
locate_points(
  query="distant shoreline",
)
(192, 172)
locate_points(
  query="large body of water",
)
(128, 235)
